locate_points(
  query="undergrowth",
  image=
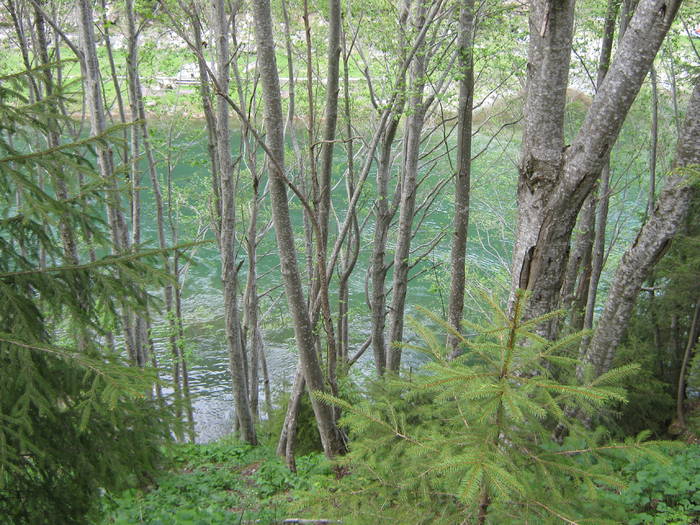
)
(223, 482)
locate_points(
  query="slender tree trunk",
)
(228, 225)
(105, 159)
(458, 254)
(654, 135)
(674, 91)
(651, 243)
(274, 123)
(289, 425)
(266, 375)
(384, 212)
(352, 250)
(350, 257)
(574, 289)
(24, 46)
(414, 127)
(331, 117)
(324, 203)
(252, 328)
(115, 82)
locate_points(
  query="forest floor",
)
(216, 483)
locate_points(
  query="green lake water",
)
(491, 235)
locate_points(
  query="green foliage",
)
(307, 439)
(221, 482)
(651, 400)
(474, 435)
(664, 493)
(658, 335)
(73, 419)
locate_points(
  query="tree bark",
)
(458, 254)
(274, 124)
(554, 179)
(105, 160)
(693, 334)
(651, 243)
(414, 127)
(229, 270)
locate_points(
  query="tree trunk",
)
(593, 220)
(331, 117)
(229, 271)
(384, 211)
(105, 160)
(458, 254)
(693, 334)
(554, 179)
(414, 127)
(274, 124)
(651, 243)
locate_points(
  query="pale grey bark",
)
(253, 342)
(574, 289)
(586, 264)
(458, 254)
(274, 124)
(352, 251)
(98, 121)
(135, 182)
(409, 171)
(324, 197)
(105, 160)
(58, 180)
(289, 425)
(554, 179)
(654, 137)
(651, 243)
(227, 246)
(252, 328)
(115, 82)
(384, 212)
(171, 295)
(331, 117)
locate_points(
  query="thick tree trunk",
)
(458, 254)
(554, 179)
(274, 123)
(650, 244)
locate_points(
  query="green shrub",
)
(664, 493)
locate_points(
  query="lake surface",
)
(490, 243)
